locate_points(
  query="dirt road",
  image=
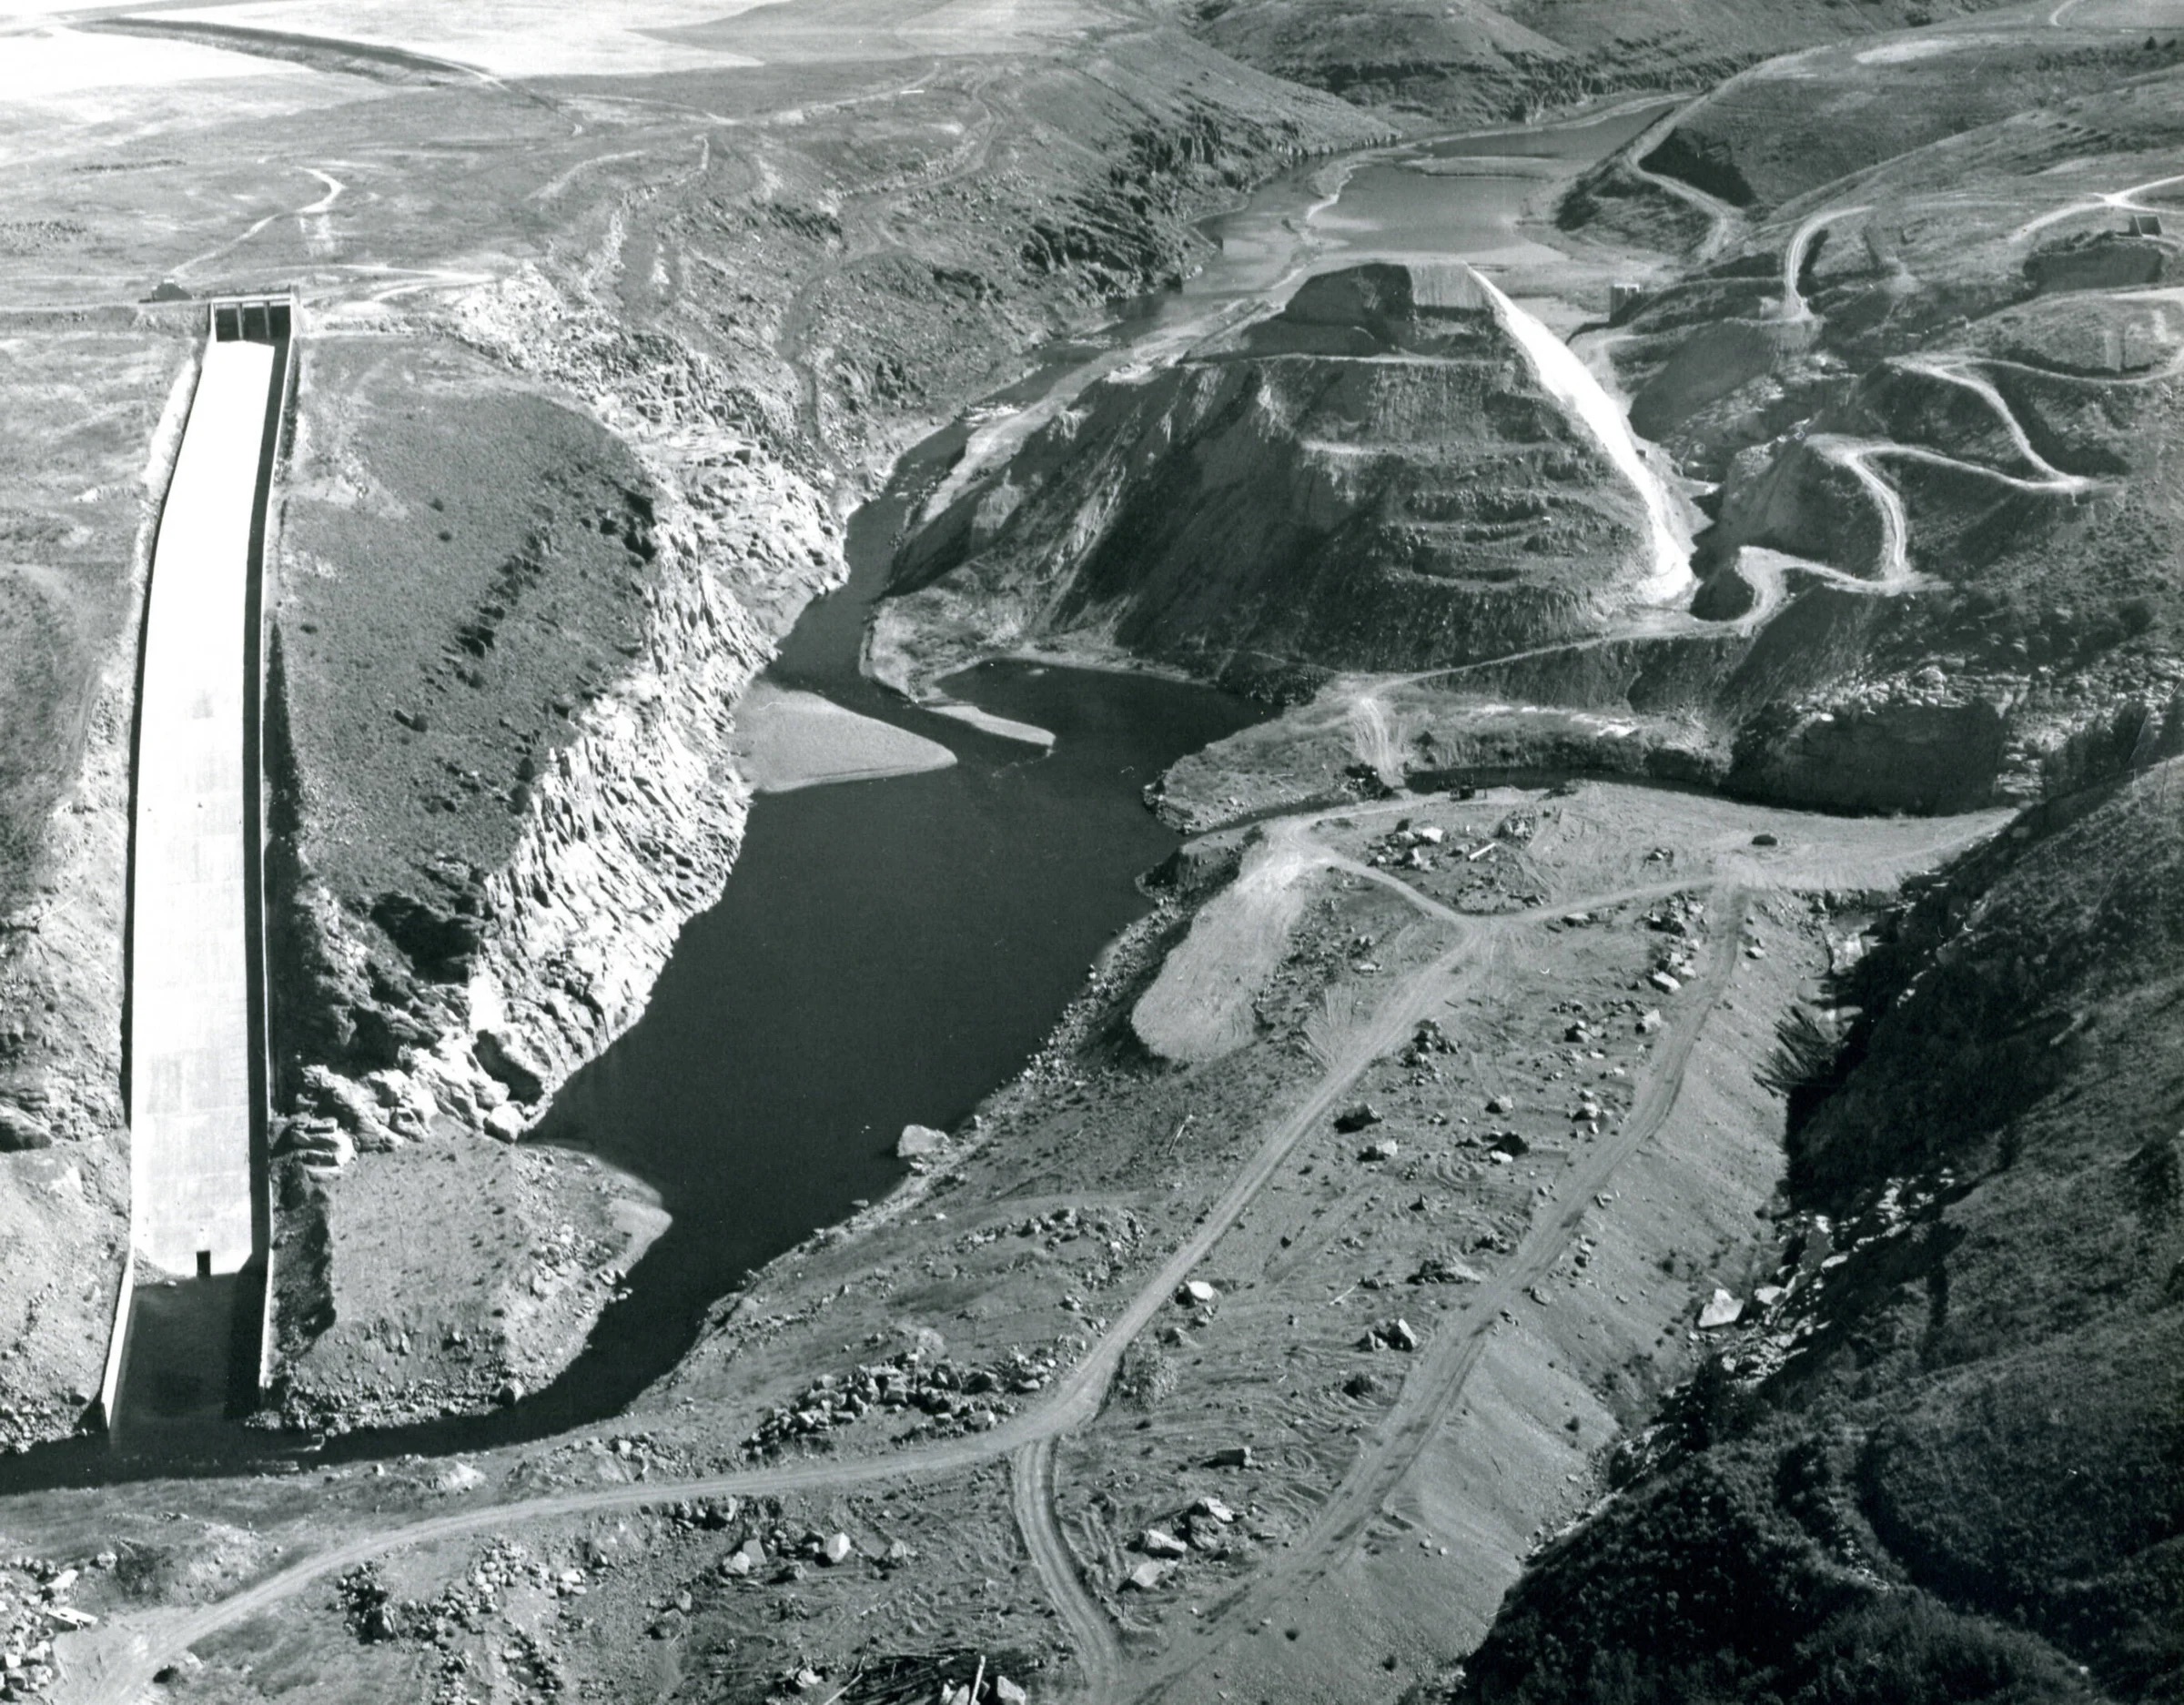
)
(1097, 1652)
(111, 1666)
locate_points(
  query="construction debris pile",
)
(946, 1398)
(35, 1610)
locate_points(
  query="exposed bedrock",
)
(1380, 476)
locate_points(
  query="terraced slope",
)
(1376, 477)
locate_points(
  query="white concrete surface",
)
(190, 1095)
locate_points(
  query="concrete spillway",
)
(196, 1063)
(1572, 383)
(190, 1010)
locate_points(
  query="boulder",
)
(1161, 1542)
(1357, 1118)
(1196, 1294)
(1721, 1311)
(1395, 1334)
(350, 1104)
(20, 1130)
(1148, 1576)
(1233, 1456)
(836, 1550)
(1386, 1148)
(918, 1142)
(320, 1143)
(1649, 1021)
(506, 1121)
(503, 1057)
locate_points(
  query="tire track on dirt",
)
(1031, 1495)
(111, 1666)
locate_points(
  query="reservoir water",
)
(888, 952)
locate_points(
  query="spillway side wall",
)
(250, 1348)
(124, 1294)
(279, 412)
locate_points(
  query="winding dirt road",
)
(1097, 1652)
(1724, 220)
(113, 1665)
(1794, 308)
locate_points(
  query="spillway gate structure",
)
(195, 1060)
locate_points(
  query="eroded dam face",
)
(197, 1059)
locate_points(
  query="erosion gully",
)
(886, 952)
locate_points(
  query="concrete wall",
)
(195, 1055)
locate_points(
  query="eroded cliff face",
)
(1376, 476)
(489, 978)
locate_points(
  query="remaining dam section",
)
(196, 1052)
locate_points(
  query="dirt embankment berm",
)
(1373, 477)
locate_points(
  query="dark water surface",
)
(886, 953)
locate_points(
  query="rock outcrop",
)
(625, 831)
